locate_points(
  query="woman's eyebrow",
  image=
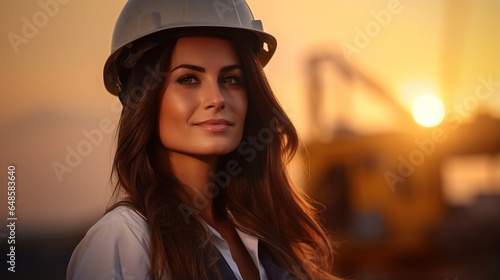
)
(230, 68)
(189, 66)
(202, 70)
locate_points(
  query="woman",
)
(202, 189)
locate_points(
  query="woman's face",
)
(204, 101)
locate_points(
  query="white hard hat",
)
(141, 18)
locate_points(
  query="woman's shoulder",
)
(124, 216)
(120, 225)
(117, 244)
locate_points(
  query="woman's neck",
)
(194, 173)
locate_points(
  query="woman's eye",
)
(187, 80)
(231, 80)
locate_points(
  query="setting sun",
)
(428, 110)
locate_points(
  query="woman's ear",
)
(122, 96)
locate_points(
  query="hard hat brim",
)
(267, 47)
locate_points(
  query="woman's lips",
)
(215, 125)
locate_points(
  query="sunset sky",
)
(60, 66)
(52, 58)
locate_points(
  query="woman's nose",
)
(214, 96)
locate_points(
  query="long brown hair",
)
(251, 188)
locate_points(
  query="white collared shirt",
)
(117, 247)
(251, 244)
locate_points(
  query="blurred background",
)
(397, 104)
